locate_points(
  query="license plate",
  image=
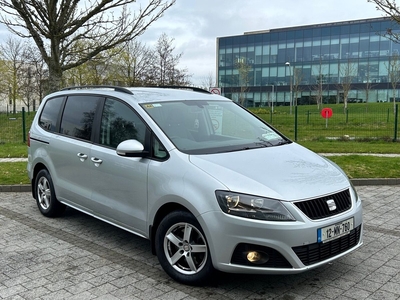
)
(335, 231)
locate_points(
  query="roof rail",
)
(82, 87)
(182, 87)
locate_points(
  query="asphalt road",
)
(79, 257)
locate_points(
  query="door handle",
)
(96, 161)
(82, 156)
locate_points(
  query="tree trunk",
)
(55, 78)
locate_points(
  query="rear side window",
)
(50, 112)
(78, 116)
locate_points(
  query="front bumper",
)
(293, 245)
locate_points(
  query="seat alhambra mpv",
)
(212, 186)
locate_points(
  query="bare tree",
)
(76, 76)
(318, 87)
(297, 79)
(394, 75)
(166, 71)
(365, 73)
(368, 88)
(57, 25)
(208, 81)
(347, 72)
(389, 8)
(12, 54)
(39, 73)
(3, 76)
(4, 92)
(243, 79)
(134, 63)
(26, 85)
(92, 72)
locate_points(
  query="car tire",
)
(182, 249)
(45, 196)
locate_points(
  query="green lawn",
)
(356, 166)
(13, 173)
(352, 147)
(19, 150)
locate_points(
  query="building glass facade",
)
(323, 63)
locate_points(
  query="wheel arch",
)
(38, 167)
(161, 213)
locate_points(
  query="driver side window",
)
(119, 123)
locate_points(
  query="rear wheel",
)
(45, 196)
(182, 249)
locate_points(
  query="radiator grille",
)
(318, 208)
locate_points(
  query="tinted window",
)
(119, 123)
(158, 149)
(79, 112)
(51, 110)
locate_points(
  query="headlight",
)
(354, 191)
(253, 207)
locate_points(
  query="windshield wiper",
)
(284, 142)
(264, 143)
(247, 147)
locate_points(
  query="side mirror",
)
(131, 148)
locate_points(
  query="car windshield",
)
(201, 127)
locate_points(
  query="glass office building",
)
(324, 63)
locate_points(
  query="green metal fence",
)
(359, 122)
(14, 127)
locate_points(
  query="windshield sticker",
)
(270, 136)
(148, 106)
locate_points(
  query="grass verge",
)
(13, 173)
(352, 147)
(18, 150)
(357, 166)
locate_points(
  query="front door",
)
(119, 183)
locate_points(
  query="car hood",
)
(287, 172)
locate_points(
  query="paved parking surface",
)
(79, 257)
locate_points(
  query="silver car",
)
(212, 186)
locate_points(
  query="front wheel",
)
(182, 249)
(45, 196)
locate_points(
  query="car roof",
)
(167, 94)
(145, 94)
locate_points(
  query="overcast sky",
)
(195, 24)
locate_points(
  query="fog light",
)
(256, 257)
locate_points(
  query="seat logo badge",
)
(331, 204)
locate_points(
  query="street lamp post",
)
(291, 86)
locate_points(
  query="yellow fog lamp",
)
(257, 257)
